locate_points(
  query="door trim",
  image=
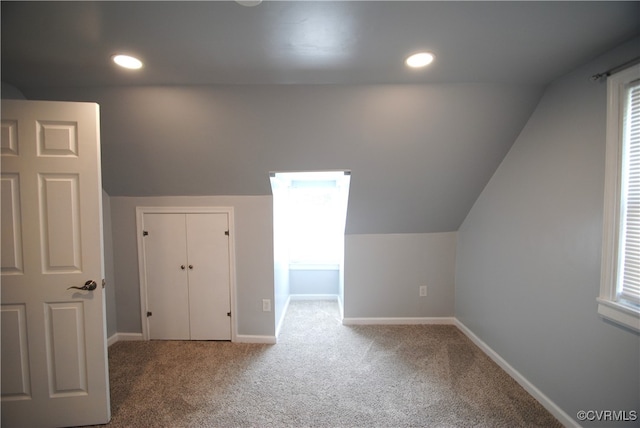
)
(142, 271)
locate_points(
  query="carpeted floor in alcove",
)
(320, 374)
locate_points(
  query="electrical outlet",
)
(266, 305)
(423, 291)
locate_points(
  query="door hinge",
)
(228, 314)
(149, 314)
(226, 232)
(145, 233)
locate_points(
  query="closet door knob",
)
(182, 267)
(190, 266)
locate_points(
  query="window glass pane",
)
(315, 219)
(629, 265)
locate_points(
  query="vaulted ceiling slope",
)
(419, 155)
(209, 114)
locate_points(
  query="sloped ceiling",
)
(230, 93)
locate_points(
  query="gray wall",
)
(281, 255)
(528, 263)
(10, 92)
(310, 281)
(425, 150)
(383, 274)
(254, 257)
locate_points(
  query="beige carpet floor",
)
(320, 374)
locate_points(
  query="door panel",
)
(9, 138)
(54, 342)
(59, 225)
(66, 356)
(57, 139)
(165, 249)
(209, 294)
(16, 380)
(11, 225)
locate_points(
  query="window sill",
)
(314, 266)
(620, 313)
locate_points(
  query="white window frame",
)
(610, 305)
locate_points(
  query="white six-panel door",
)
(187, 275)
(54, 364)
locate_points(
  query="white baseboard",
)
(546, 402)
(112, 339)
(246, 338)
(313, 297)
(118, 337)
(399, 321)
(284, 313)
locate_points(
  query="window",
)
(619, 298)
(312, 209)
(316, 222)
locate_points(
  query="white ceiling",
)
(305, 42)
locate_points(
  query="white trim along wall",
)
(546, 402)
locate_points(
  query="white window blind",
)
(629, 280)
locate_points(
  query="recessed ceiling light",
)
(249, 3)
(418, 60)
(127, 61)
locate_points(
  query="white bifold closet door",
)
(188, 277)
